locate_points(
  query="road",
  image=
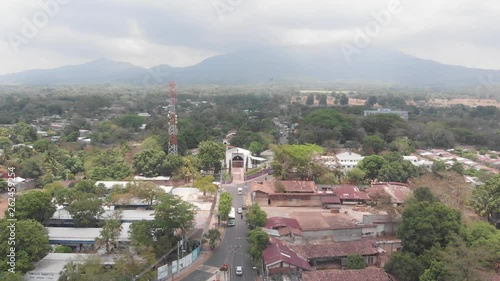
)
(233, 249)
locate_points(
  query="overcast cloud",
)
(184, 32)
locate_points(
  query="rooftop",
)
(367, 274)
(398, 191)
(337, 249)
(276, 222)
(324, 221)
(278, 251)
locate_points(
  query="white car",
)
(240, 210)
(239, 270)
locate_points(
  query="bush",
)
(63, 249)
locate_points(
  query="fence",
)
(166, 271)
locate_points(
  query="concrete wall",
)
(295, 200)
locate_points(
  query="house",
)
(398, 192)
(287, 194)
(82, 238)
(349, 160)
(241, 158)
(286, 228)
(400, 113)
(350, 195)
(279, 258)
(366, 274)
(327, 226)
(336, 253)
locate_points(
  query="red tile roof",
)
(278, 251)
(367, 274)
(349, 192)
(276, 222)
(338, 249)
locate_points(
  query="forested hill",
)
(377, 66)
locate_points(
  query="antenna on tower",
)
(172, 125)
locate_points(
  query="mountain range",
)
(372, 65)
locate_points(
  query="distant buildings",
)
(400, 113)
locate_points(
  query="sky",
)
(41, 34)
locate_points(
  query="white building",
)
(240, 158)
(349, 160)
(51, 266)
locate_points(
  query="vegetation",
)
(213, 235)
(258, 240)
(356, 261)
(256, 217)
(225, 204)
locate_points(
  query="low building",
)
(366, 274)
(401, 113)
(278, 258)
(51, 266)
(327, 226)
(336, 254)
(348, 160)
(287, 229)
(350, 195)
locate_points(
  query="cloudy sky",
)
(51, 33)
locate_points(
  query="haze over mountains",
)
(260, 65)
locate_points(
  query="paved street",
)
(233, 249)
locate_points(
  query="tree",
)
(146, 191)
(295, 161)
(322, 100)
(90, 270)
(141, 234)
(36, 205)
(371, 165)
(22, 133)
(205, 184)
(107, 165)
(405, 266)
(86, 212)
(110, 232)
(398, 171)
(486, 198)
(173, 162)
(256, 217)
(310, 99)
(225, 204)
(31, 244)
(458, 167)
(258, 240)
(41, 145)
(213, 235)
(174, 213)
(355, 176)
(256, 148)
(211, 155)
(149, 162)
(371, 101)
(423, 194)
(373, 144)
(356, 261)
(344, 100)
(427, 224)
(438, 166)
